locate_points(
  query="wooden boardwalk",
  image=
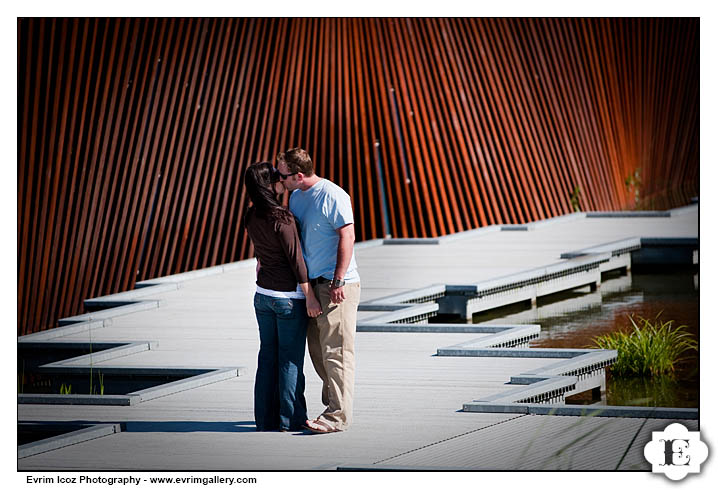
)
(407, 400)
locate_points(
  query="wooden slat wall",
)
(134, 133)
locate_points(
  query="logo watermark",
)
(676, 452)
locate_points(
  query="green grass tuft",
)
(651, 348)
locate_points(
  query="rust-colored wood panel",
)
(437, 108)
(401, 213)
(363, 119)
(134, 133)
(198, 250)
(225, 167)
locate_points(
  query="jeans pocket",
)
(283, 307)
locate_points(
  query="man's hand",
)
(336, 295)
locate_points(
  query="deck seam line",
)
(449, 438)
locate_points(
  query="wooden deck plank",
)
(533, 442)
(407, 400)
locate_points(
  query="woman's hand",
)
(314, 308)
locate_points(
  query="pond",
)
(31, 355)
(36, 378)
(79, 381)
(573, 319)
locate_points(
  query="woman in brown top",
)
(282, 304)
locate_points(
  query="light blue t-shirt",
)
(320, 211)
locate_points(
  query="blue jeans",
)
(279, 386)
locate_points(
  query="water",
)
(573, 319)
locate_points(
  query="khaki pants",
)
(330, 339)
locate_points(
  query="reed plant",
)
(101, 377)
(650, 348)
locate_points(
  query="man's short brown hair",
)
(297, 160)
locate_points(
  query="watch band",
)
(337, 283)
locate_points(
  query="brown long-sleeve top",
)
(279, 251)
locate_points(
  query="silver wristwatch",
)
(336, 283)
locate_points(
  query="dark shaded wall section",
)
(134, 133)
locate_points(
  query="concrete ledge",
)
(197, 377)
(608, 411)
(506, 335)
(552, 387)
(525, 291)
(691, 208)
(558, 220)
(540, 274)
(369, 244)
(521, 334)
(476, 232)
(579, 363)
(465, 300)
(197, 274)
(555, 381)
(126, 302)
(58, 332)
(414, 296)
(465, 350)
(112, 312)
(188, 276)
(381, 307)
(628, 214)
(614, 248)
(47, 399)
(481, 407)
(187, 384)
(106, 354)
(405, 314)
(145, 289)
(461, 235)
(413, 328)
(411, 241)
(584, 411)
(578, 371)
(75, 437)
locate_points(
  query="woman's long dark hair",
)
(259, 184)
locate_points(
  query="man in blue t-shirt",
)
(324, 213)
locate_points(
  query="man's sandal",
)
(319, 427)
